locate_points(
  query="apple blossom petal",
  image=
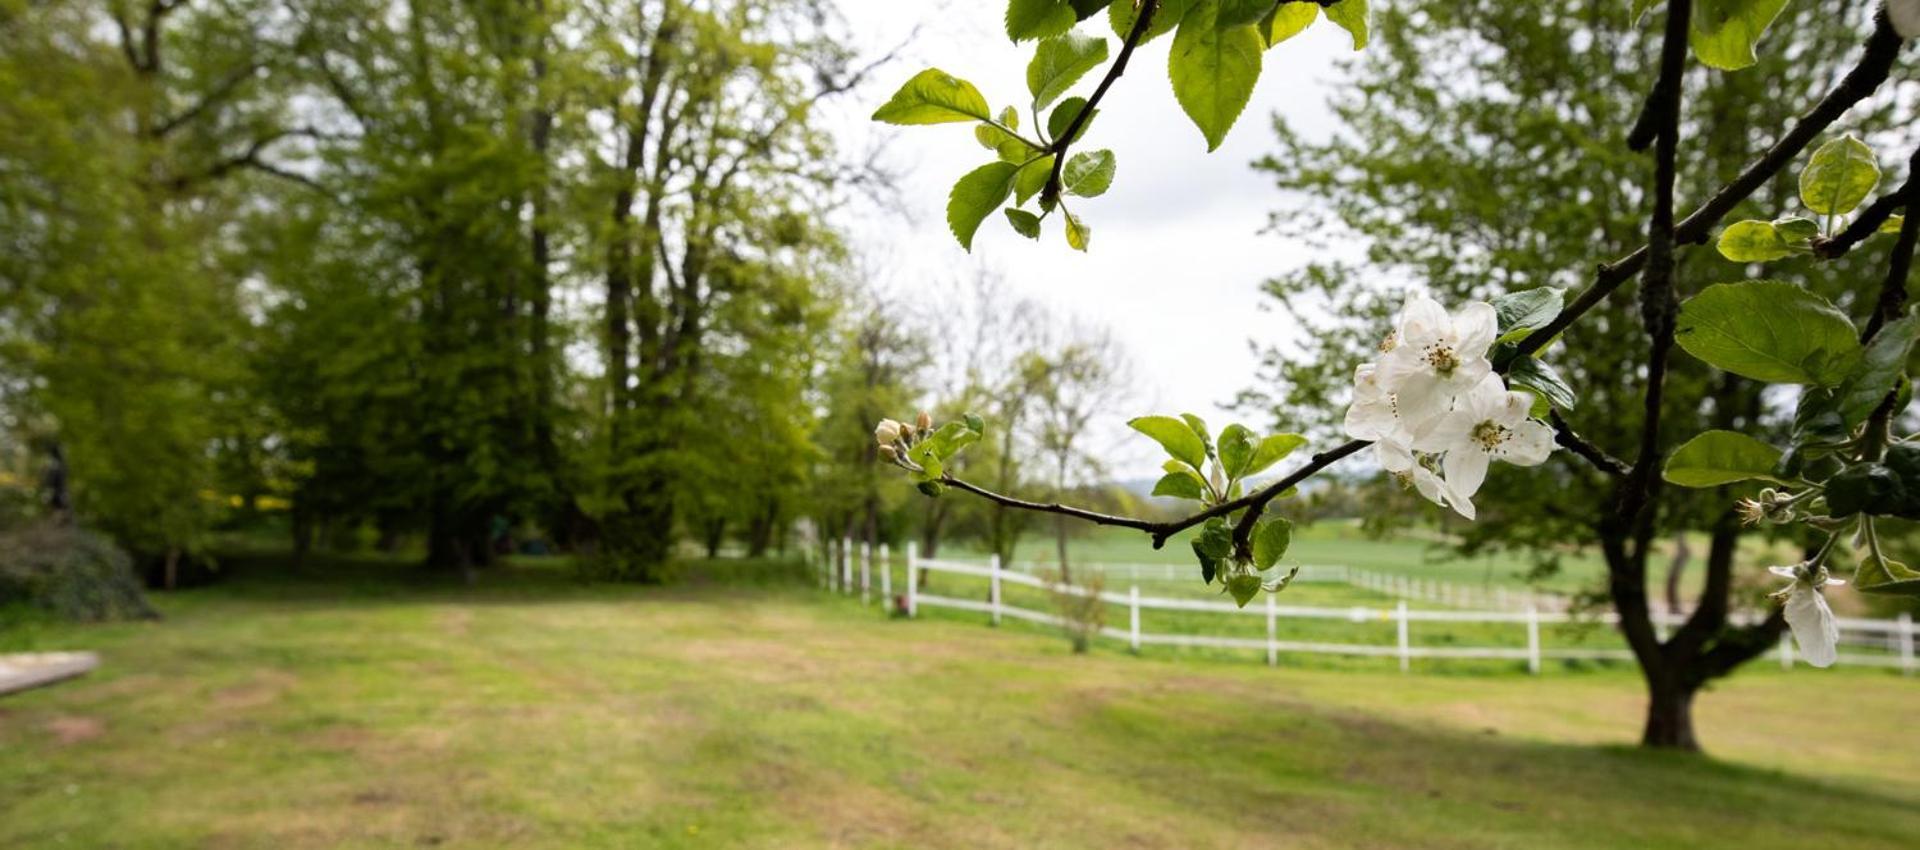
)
(1420, 402)
(1422, 320)
(1529, 444)
(1783, 572)
(1466, 470)
(1813, 625)
(1444, 433)
(1393, 457)
(1476, 325)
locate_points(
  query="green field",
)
(359, 705)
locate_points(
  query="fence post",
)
(846, 564)
(1400, 614)
(1273, 633)
(1906, 643)
(886, 577)
(1533, 640)
(993, 564)
(866, 573)
(1133, 618)
(1786, 651)
(913, 579)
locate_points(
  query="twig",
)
(1865, 225)
(1564, 434)
(1061, 144)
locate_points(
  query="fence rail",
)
(1896, 636)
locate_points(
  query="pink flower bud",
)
(925, 421)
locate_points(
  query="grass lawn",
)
(371, 709)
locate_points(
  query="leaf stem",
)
(1061, 144)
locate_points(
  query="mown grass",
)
(362, 705)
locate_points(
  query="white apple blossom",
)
(1807, 612)
(1433, 357)
(887, 432)
(1487, 422)
(1400, 461)
(1905, 15)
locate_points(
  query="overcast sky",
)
(1177, 257)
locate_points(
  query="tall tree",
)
(1482, 150)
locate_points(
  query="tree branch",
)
(1893, 302)
(1050, 194)
(1865, 225)
(1563, 434)
(1876, 62)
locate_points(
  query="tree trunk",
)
(716, 534)
(171, 576)
(1669, 717)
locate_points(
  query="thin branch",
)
(1061, 144)
(1564, 434)
(1893, 302)
(1876, 62)
(1865, 225)
(228, 85)
(1094, 517)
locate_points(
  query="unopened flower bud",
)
(889, 454)
(925, 421)
(887, 433)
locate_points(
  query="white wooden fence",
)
(1897, 636)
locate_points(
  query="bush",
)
(69, 572)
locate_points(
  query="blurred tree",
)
(127, 140)
(1082, 376)
(1481, 150)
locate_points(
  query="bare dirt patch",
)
(73, 729)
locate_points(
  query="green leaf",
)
(1769, 331)
(1243, 586)
(1271, 537)
(1725, 31)
(1060, 62)
(1869, 488)
(1009, 147)
(1062, 117)
(976, 196)
(1025, 223)
(1892, 224)
(1181, 443)
(934, 97)
(1882, 363)
(1721, 457)
(1088, 174)
(1078, 233)
(1236, 450)
(1843, 173)
(1272, 450)
(1184, 484)
(1213, 545)
(1523, 312)
(1546, 383)
(1010, 117)
(1085, 9)
(1032, 178)
(1122, 15)
(1199, 427)
(1754, 242)
(1288, 20)
(950, 439)
(1235, 13)
(1214, 71)
(1352, 16)
(1796, 231)
(1886, 577)
(1030, 19)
